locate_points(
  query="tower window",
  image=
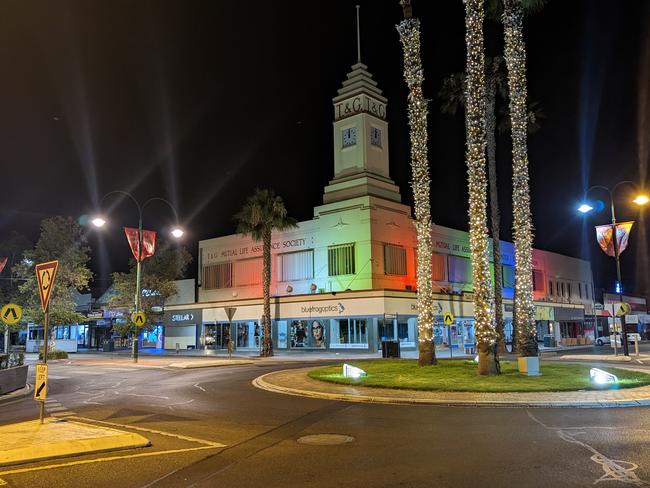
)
(216, 276)
(340, 259)
(349, 136)
(375, 136)
(394, 260)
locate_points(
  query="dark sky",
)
(202, 101)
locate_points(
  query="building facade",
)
(345, 280)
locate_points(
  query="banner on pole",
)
(3, 263)
(148, 243)
(45, 273)
(605, 238)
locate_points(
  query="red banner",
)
(605, 240)
(3, 263)
(148, 243)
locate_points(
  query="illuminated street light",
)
(98, 222)
(641, 200)
(585, 208)
(176, 232)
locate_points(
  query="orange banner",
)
(605, 240)
(148, 243)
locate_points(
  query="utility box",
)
(390, 349)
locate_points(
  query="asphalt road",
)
(393, 445)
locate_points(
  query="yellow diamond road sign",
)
(138, 318)
(11, 313)
(448, 318)
(621, 309)
(40, 386)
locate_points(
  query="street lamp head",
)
(178, 233)
(641, 199)
(98, 222)
(585, 208)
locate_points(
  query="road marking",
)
(159, 432)
(615, 469)
(206, 445)
(196, 385)
(56, 377)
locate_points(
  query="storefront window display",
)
(353, 331)
(308, 334)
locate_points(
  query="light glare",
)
(584, 208)
(98, 222)
(601, 377)
(641, 200)
(177, 233)
(352, 371)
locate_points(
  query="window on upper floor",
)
(587, 291)
(248, 272)
(340, 259)
(394, 260)
(538, 280)
(507, 276)
(580, 290)
(460, 269)
(550, 287)
(438, 267)
(557, 289)
(568, 290)
(216, 276)
(295, 266)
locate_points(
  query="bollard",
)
(178, 348)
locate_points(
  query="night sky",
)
(202, 101)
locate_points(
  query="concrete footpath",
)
(26, 442)
(296, 382)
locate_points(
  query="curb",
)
(16, 395)
(209, 364)
(262, 384)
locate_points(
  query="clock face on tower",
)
(349, 136)
(375, 136)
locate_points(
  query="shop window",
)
(340, 260)
(295, 266)
(438, 267)
(62, 332)
(403, 330)
(353, 331)
(460, 269)
(508, 276)
(248, 272)
(538, 280)
(217, 276)
(394, 260)
(307, 333)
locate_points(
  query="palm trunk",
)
(267, 343)
(477, 183)
(495, 218)
(409, 31)
(515, 55)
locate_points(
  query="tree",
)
(262, 213)
(159, 273)
(409, 31)
(515, 55)
(452, 95)
(477, 185)
(61, 239)
(12, 248)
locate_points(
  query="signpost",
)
(230, 313)
(45, 274)
(448, 319)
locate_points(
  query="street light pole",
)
(177, 233)
(642, 200)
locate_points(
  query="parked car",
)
(602, 340)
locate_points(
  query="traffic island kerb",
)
(31, 441)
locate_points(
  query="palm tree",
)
(515, 55)
(452, 95)
(409, 31)
(263, 213)
(484, 326)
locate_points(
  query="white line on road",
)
(615, 469)
(196, 385)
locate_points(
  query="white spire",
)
(358, 37)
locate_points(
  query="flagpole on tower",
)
(358, 36)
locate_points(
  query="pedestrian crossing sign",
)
(139, 318)
(448, 318)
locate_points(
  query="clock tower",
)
(360, 141)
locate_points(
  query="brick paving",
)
(296, 382)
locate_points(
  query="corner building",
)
(346, 278)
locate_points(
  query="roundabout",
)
(458, 392)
